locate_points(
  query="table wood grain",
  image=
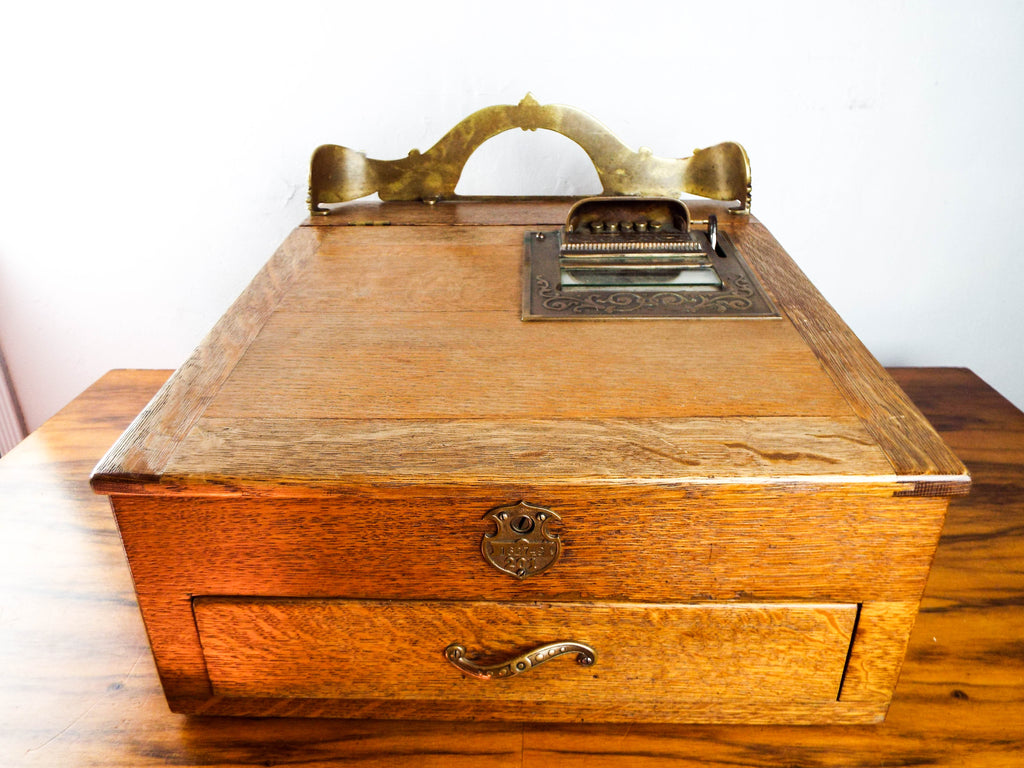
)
(78, 686)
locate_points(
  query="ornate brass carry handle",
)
(456, 654)
(338, 174)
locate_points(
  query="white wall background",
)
(152, 155)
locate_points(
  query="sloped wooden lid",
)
(394, 355)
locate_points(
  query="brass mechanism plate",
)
(637, 258)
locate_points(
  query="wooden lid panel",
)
(424, 323)
(420, 323)
(491, 365)
(369, 270)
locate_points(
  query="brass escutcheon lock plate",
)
(522, 545)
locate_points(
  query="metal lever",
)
(456, 654)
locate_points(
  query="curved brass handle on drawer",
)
(456, 654)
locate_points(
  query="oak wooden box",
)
(749, 507)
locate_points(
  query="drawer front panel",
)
(366, 649)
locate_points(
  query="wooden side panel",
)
(883, 629)
(658, 654)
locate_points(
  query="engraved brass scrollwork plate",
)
(521, 545)
(339, 174)
(630, 257)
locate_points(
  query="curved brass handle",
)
(456, 654)
(338, 174)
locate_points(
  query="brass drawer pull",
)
(456, 654)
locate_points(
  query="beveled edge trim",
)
(143, 451)
(301, 488)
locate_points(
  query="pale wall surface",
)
(153, 155)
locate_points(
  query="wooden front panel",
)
(358, 649)
(636, 544)
(642, 544)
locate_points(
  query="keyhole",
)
(522, 524)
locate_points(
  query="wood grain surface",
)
(673, 657)
(143, 450)
(387, 371)
(888, 414)
(80, 687)
(419, 322)
(730, 544)
(485, 364)
(718, 543)
(488, 451)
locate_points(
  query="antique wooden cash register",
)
(610, 459)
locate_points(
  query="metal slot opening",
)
(640, 264)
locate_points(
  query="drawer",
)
(645, 653)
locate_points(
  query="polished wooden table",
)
(78, 686)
